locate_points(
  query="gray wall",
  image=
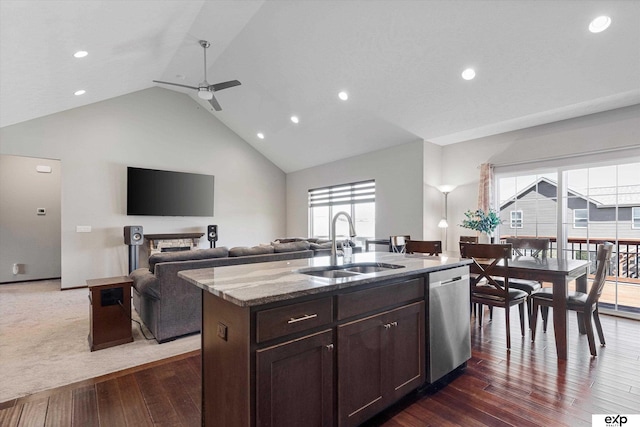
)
(26, 238)
(154, 128)
(398, 173)
(611, 136)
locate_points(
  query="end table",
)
(110, 315)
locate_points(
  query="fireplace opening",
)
(176, 249)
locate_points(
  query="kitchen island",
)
(301, 342)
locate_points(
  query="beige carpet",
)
(43, 340)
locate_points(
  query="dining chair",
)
(485, 289)
(534, 247)
(469, 239)
(430, 247)
(529, 246)
(580, 302)
(398, 243)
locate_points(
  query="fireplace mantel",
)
(155, 243)
(173, 236)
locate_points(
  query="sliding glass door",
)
(527, 206)
(600, 204)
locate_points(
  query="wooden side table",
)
(110, 315)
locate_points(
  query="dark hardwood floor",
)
(526, 386)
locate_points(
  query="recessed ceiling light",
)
(81, 54)
(260, 135)
(468, 74)
(79, 92)
(600, 24)
(343, 95)
(295, 119)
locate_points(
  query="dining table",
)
(559, 272)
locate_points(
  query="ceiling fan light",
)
(205, 94)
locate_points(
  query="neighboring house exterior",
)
(532, 212)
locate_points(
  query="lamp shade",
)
(443, 223)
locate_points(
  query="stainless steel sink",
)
(348, 270)
(331, 274)
(364, 269)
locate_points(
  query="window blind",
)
(343, 194)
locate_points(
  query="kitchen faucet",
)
(352, 234)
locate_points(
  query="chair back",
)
(431, 247)
(484, 268)
(603, 258)
(469, 239)
(398, 243)
(533, 246)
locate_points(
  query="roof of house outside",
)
(602, 197)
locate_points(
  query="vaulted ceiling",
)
(400, 62)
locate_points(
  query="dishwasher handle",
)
(451, 281)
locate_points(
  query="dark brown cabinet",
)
(336, 358)
(380, 359)
(294, 382)
(110, 312)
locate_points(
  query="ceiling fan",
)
(205, 90)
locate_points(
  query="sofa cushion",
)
(290, 240)
(154, 259)
(145, 282)
(291, 246)
(256, 250)
(316, 246)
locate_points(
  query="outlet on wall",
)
(16, 268)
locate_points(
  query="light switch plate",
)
(83, 229)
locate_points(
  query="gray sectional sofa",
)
(169, 306)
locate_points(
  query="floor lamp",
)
(445, 189)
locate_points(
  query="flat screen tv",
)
(167, 193)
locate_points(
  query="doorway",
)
(30, 219)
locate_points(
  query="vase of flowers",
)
(482, 222)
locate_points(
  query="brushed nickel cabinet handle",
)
(330, 347)
(302, 318)
(387, 325)
(394, 323)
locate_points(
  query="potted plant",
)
(481, 221)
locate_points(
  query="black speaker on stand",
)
(212, 235)
(133, 237)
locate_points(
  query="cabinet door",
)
(294, 382)
(406, 349)
(360, 367)
(380, 359)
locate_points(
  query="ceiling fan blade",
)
(214, 103)
(176, 84)
(224, 85)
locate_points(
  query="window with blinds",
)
(356, 198)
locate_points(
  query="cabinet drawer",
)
(282, 321)
(368, 300)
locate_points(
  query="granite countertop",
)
(255, 284)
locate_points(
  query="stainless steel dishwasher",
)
(449, 343)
